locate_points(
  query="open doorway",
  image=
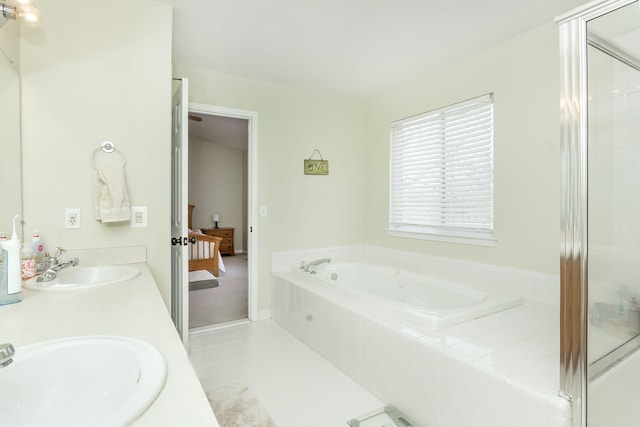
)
(220, 199)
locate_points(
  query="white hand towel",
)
(111, 200)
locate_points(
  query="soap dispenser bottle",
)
(37, 245)
(10, 280)
(27, 262)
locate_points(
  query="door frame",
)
(252, 192)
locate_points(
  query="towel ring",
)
(108, 147)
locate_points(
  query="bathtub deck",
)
(520, 344)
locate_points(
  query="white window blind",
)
(442, 171)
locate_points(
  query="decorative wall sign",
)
(316, 167)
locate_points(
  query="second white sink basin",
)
(85, 277)
(84, 381)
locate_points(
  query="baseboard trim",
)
(208, 328)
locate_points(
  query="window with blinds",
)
(442, 172)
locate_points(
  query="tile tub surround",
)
(498, 370)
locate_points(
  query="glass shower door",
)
(613, 206)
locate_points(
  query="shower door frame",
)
(574, 215)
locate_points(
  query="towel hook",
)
(108, 147)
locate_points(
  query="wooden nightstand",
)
(226, 246)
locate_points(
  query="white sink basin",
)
(85, 277)
(83, 381)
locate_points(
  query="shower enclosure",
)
(600, 262)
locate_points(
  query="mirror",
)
(10, 153)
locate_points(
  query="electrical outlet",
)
(71, 218)
(138, 216)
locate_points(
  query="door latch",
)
(182, 241)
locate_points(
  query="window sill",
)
(465, 239)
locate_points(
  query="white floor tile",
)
(294, 384)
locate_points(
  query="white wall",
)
(216, 185)
(96, 71)
(85, 82)
(523, 74)
(303, 211)
(307, 212)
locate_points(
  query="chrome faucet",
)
(310, 267)
(6, 354)
(53, 265)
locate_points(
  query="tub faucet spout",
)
(310, 267)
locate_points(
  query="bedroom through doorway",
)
(219, 201)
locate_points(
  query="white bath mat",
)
(202, 279)
(236, 406)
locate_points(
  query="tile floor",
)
(295, 385)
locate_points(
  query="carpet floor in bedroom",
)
(225, 303)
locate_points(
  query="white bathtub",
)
(431, 302)
(499, 369)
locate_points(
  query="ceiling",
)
(355, 48)
(352, 47)
(228, 131)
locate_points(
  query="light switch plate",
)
(139, 217)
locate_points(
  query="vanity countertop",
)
(132, 308)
